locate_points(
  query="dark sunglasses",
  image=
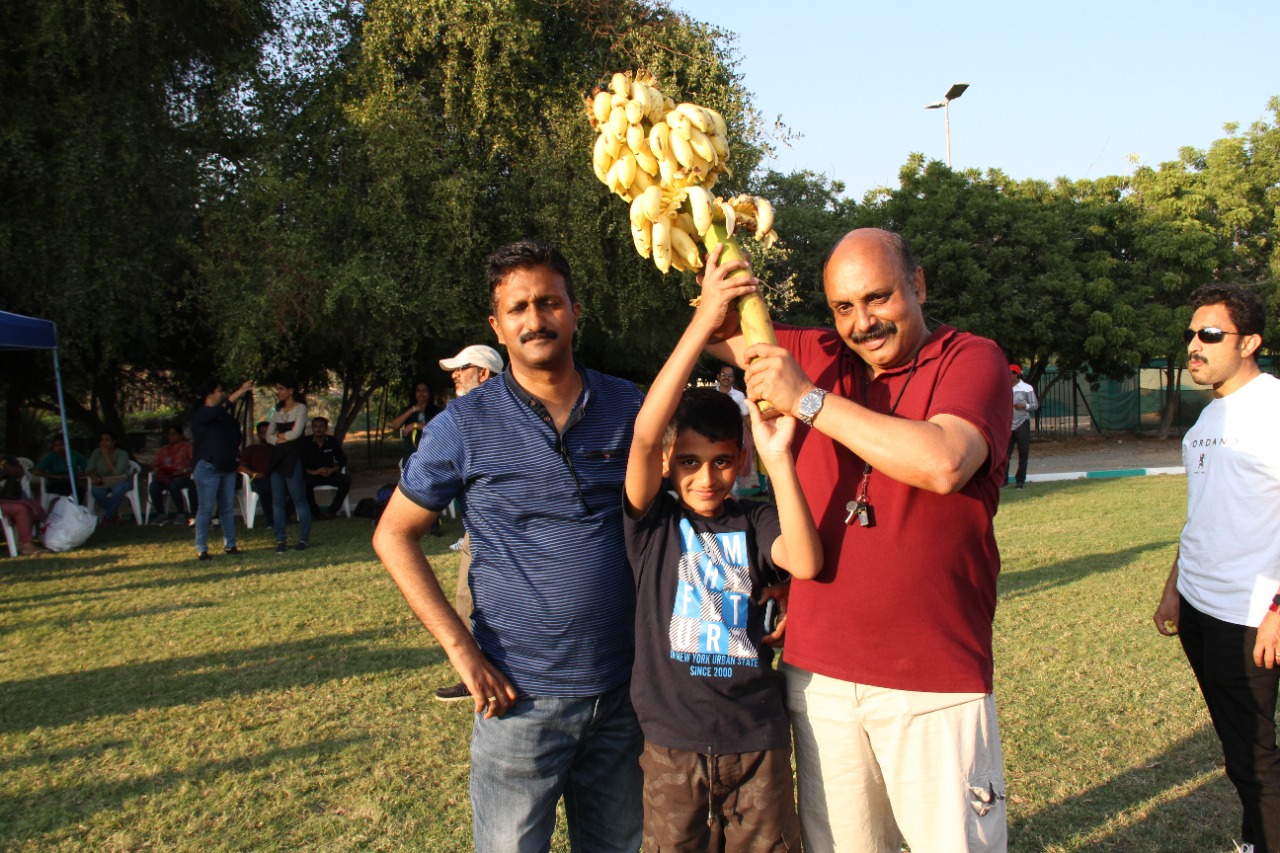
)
(464, 367)
(1208, 335)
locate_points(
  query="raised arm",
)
(644, 465)
(939, 455)
(398, 421)
(798, 549)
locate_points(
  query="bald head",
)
(887, 241)
(876, 293)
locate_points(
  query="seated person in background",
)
(322, 464)
(109, 476)
(52, 467)
(22, 512)
(255, 460)
(171, 472)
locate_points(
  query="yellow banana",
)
(618, 122)
(636, 139)
(682, 150)
(612, 143)
(612, 179)
(642, 96)
(697, 116)
(646, 161)
(660, 239)
(659, 137)
(730, 217)
(642, 180)
(667, 171)
(684, 221)
(642, 237)
(720, 145)
(764, 217)
(620, 84)
(722, 129)
(601, 106)
(635, 112)
(601, 159)
(702, 145)
(626, 171)
(637, 213)
(652, 201)
(700, 207)
(686, 248)
(679, 123)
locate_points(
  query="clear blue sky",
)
(1056, 89)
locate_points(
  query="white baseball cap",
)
(476, 355)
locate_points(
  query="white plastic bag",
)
(69, 525)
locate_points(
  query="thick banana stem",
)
(753, 311)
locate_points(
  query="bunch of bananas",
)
(664, 158)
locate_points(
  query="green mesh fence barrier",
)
(1069, 406)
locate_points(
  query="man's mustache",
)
(545, 335)
(882, 329)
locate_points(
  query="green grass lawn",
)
(283, 702)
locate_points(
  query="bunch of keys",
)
(866, 515)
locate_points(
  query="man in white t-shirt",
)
(1223, 594)
(747, 479)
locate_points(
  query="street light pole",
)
(956, 90)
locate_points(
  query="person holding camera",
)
(215, 436)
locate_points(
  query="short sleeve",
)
(975, 388)
(766, 528)
(433, 476)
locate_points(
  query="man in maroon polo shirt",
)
(888, 651)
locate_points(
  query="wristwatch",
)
(810, 405)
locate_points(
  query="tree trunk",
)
(354, 398)
(1170, 399)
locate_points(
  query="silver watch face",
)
(811, 404)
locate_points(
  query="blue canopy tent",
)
(18, 332)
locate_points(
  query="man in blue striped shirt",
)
(536, 460)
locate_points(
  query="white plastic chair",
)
(248, 500)
(146, 512)
(346, 502)
(10, 535)
(132, 500)
(27, 465)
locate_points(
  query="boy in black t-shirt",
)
(717, 759)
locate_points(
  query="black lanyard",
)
(859, 505)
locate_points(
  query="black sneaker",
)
(281, 548)
(456, 693)
(233, 550)
(301, 546)
(203, 555)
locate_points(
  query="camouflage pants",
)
(718, 803)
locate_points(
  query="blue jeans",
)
(586, 749)
(214, 488)
(110, 497)
(294, 487)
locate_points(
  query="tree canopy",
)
(250, 186)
